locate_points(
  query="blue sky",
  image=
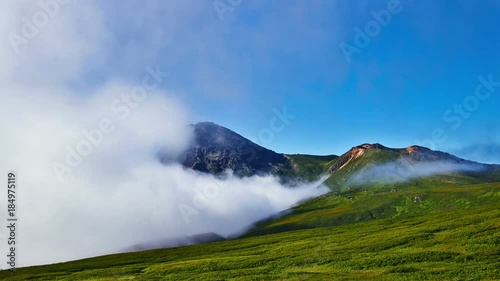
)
(267, 55)
(236, 68)
(395, 91)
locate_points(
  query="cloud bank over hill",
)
(402, 170)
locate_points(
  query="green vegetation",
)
(311, 167)
(449, 233)
(340, 178)
(369, 158)
(443, 227)
(404, 200)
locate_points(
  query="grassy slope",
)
(452, 234)
(370, 157)
(376, 232)
(381, 202)
(311, 167)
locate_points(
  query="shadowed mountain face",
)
(216, 149)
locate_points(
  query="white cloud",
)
(119, 195)
(404, 170)
(58, 50)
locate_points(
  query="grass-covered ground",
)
(401, 200)
(451, 233)
(310, 167)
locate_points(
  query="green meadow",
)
(451, 232)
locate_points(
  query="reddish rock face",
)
(371, 146)
(352, 154)
(416, 148)
(411, 149)
(411, 153)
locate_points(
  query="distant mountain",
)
(373, 182)
(375, 163)
(377, 153)
(216, 149)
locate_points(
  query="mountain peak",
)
(417, 148)
(410, 149)
(206, 124)
(378, 152)
(216, 149)
(371, 146)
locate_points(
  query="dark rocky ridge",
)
(216, 149)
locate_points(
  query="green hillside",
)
(370, 157)
(360, 159)
(397, 232)
(440, 227)
(395, 201)
(452, 234)
(310, 167)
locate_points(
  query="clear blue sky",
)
(274, 54)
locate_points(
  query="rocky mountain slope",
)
(216, 149)
(375, 163)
